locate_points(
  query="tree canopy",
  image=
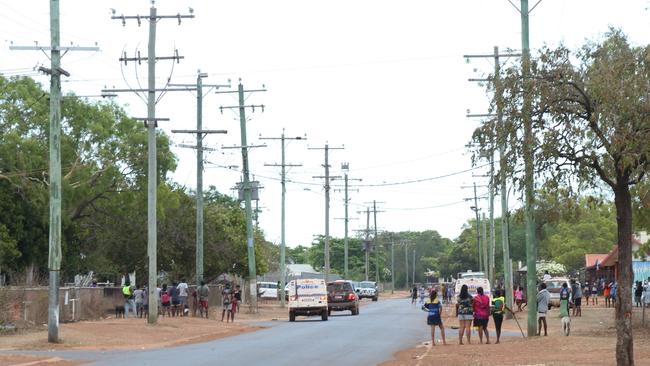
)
(103, 159)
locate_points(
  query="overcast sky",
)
(386, 80)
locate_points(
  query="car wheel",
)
(374, 298)
(355, 311)
(324, 315)
(292, 316)
(329, 312)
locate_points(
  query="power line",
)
(419, 180)
(423, 208)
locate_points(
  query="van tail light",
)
(351, 296)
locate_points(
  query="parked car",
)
(341, 296)
(368, 289)
(554, 285)
(267, 290)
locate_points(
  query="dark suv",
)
(341, 296)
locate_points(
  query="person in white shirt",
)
(547, 276)
(182, 296)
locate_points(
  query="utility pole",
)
(327, 204)
(505, 243)
(491, 252)
(498, 96)
(413, 266)
(485, 246)
(283, 166)
(529, 183)
(151, 122)
(346, 167)
(200, 134)
(375, 244)
(250, 244)
(529, 178)
(392, 266)
(54, 250)
(478, 231)
(406, 260)
(366, 242)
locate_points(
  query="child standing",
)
(519, 297)
(434, 308)
(606, 295)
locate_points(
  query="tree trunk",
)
(624, 344)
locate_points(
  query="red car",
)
(341, 296)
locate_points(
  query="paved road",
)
(381, 329)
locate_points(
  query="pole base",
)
(53, 308)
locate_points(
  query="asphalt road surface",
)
(381, 329)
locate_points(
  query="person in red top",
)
(482, 314)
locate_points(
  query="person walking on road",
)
(414, 294)
(498, 309)
(434, 318)
(465, 314)
(482, 314)
(543, 298)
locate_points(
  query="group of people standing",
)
(172, 300)
(230, 299)
(470, 311)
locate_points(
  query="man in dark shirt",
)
(176, 301)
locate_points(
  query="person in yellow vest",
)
(129, 299)
(498, 309)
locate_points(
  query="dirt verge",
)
(592, 342)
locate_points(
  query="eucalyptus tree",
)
(591, 119)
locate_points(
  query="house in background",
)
(594, 268)
(606, 267)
